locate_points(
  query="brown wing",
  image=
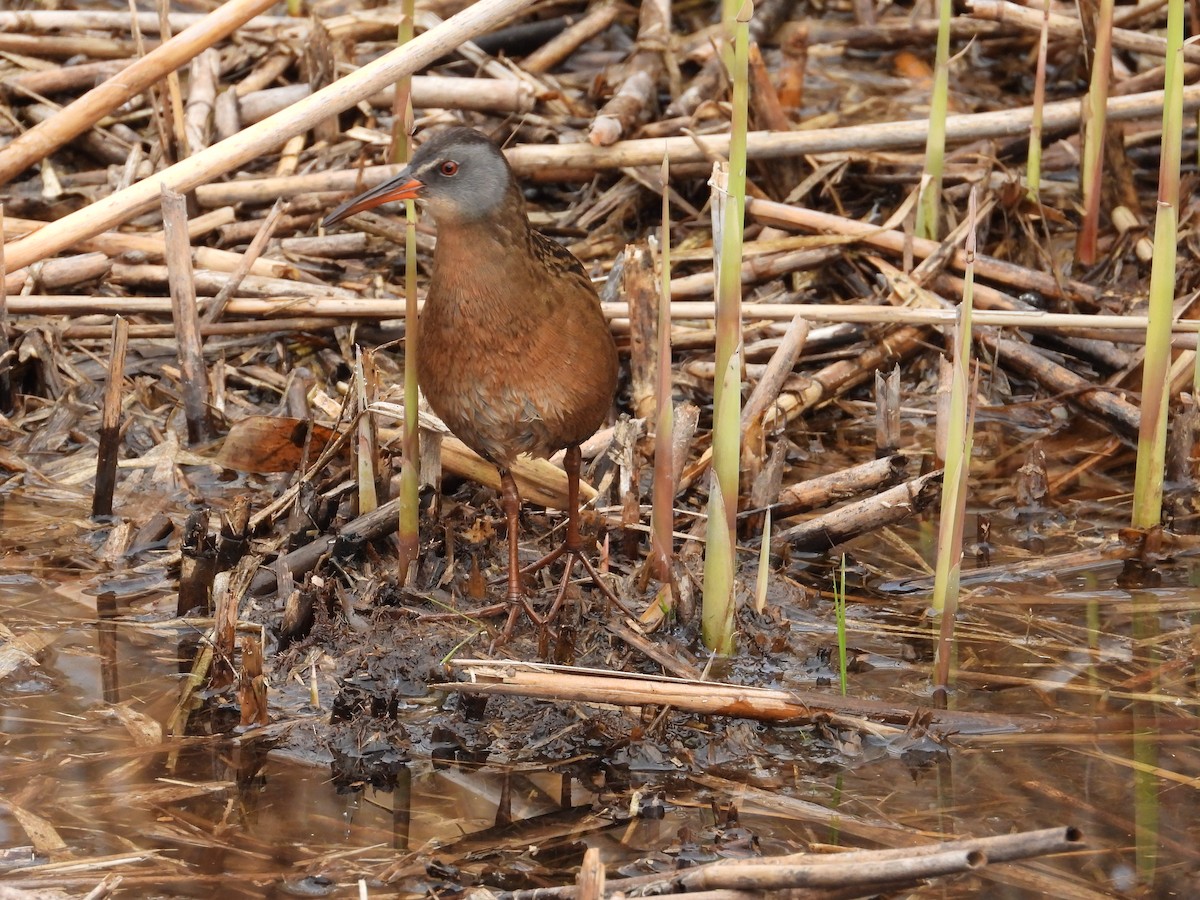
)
(559, 261)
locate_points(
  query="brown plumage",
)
(514, 353)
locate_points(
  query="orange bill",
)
(402, 187)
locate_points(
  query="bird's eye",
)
(449, 167)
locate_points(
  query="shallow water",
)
(91, 786)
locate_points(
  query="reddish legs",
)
(573, 545)
(510, 501)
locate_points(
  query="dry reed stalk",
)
(770, 876)
(210, 283)
(80, 332)
(151, 245)
(110, 422)
(34, 20)
(428, 91)
(65, 46)
(828, 530)
(765, 393)
(216, 308)
(1058, 380)
(815, 493)
(193, 385)
(6, 353)
(783, 215)
(641, 294)
(46, 82)
(344, 305)
(1063, 27)
(554, 51)
(803, 33)
(203, 77)
(580, 162)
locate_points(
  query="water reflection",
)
(92, 785)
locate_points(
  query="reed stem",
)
(729, 195)
(1152, 430)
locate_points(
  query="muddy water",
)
(89, 784)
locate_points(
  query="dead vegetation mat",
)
(838, 97)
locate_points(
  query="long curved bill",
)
(402, 187)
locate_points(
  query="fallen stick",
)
(826, 531)
(999, 848)
(818, 492)
(575, 684)
(788, 216)
(1058, 566)
(1099, 400)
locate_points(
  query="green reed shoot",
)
(1033, 165)
(728, 215)
(1095, 112)
(1152, 432)
(662, 501)
(408, 533)
(839, 609)
(929, 204)
(958, 445)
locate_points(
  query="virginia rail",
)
(514, 353)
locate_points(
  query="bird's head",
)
(458, 174)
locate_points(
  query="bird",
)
(514, 353)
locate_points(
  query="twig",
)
(194, 381)
(266, 229)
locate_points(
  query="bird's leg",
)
(510, 501)
(573, 545)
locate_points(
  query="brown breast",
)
(514, 353)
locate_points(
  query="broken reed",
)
(408, 534)
(1095, 112)
(929, 202)
(728, 217)
(365, 444)
(662, 514)
(1152, 429)
(764, 565)
(1033, 163)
